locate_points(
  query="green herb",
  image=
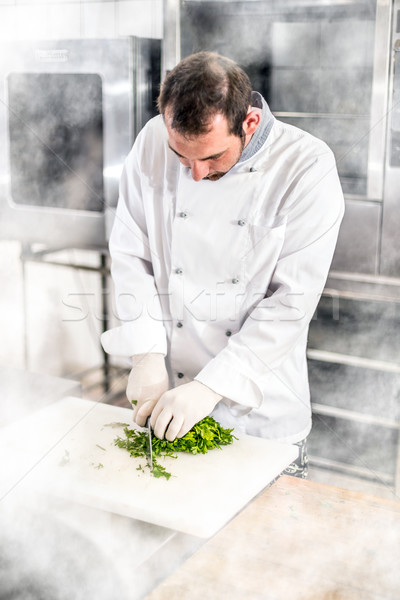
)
(98, 466)
(101, 447)
(206, 435)
(159, 470)
(116, 424)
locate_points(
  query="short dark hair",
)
(201, 86)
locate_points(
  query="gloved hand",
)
(148, 380)
(182, 407)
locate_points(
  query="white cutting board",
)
(61, 447)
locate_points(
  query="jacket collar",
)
(263, 130)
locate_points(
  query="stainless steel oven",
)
(69, 112)
(331, 68)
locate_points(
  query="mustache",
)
(215, 176)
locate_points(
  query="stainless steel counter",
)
(22, 392)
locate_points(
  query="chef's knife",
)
(149, 447)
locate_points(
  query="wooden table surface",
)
(298, 540)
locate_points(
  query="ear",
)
(251, 121)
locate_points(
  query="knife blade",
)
(149, 447)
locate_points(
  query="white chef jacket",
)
(223, 277)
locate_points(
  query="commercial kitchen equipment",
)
(69, 112)
(329, 68)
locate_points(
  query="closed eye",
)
(213, 157)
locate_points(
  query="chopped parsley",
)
(206, 435)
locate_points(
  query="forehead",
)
(216, 140)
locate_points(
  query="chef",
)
(225, 229)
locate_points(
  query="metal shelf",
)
(48, 256)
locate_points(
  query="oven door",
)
(69, 113)
(321, 66)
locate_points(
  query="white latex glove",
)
(147, 382)
(181, 408)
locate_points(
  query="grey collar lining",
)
(263, 130)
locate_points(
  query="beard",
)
(218, 174)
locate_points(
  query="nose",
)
(199, 169)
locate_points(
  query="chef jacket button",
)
(179, 324)
(241, 223)
(178, 271)
(228, 333)
(180, 375)
(183, 215)
(235, 280)
(253, 169)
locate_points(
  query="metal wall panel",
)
(324, 67)
(357, 249)
(390, 260)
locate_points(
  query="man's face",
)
(209, 156)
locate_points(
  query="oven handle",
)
(379, 101)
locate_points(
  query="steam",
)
(52, 548)
(42, 556)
